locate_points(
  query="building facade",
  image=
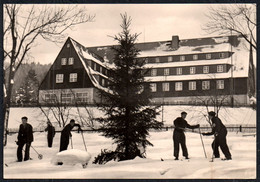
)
(189, 71)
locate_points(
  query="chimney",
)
(175, 42)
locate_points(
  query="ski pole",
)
(71, 142)
(83, 140)
(202, 143)
(40, 156)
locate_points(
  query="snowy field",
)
(159, 163)
(244, 116)
(243, 165)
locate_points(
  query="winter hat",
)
(212, 113)
(25, 118)
(183, 113)
(72, 121)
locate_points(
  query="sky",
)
(154, 22)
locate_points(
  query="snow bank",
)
(71, 157)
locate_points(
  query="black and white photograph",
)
(129, 91)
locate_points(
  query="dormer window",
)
(195, 57)
(71, 61)
(208, 56)
(68, 45)
(63, 61)
(182, 58)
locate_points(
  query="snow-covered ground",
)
(243, 150)
(243, 165)
(244, 116)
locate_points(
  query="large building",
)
(187, 71)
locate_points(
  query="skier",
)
(66, 134)
(179, 137)
(25, 136)
(220, 132)
(51, 133)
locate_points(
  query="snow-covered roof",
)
(164, 50)
(85, 54)
(239, 58)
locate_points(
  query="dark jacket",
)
(217, 127)
(25, 133)
(180, 124)
(66, 132)
(51, 131)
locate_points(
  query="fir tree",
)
(28, 92)
(128, 114)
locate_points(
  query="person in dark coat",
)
(179, 137)
(66, 134)
(220, 132)
(50, 133)
(25, 137)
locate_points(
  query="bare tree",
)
(23, 25)
(234, 18)
(62, 110)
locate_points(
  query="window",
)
(220, 84)
(102, 82)
(157, 60)
(101, 69)
(165, 86)
(205, 69)
(66, 97)
(195, 57)
(205, 85)
(220, 68)
(73, 77)
(179, 71)
(192, 85)
(146, 60)
(208, 56)
(81, 97)
(166, 71)
(192, 70)
(68, 45)
(182, 58)
(178, 86)
(169, 59)
(63, 61)
(95, 66)
(153, 87)
(50, 97)
(154, 72)
(222, 55)
(71, 61)
(59, 78)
